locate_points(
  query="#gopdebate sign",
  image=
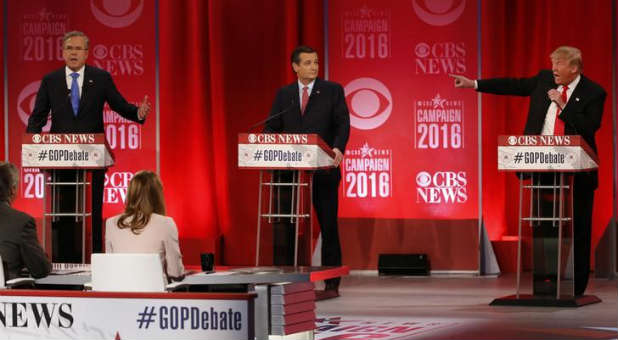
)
(49, 317)
(65, 151)
(545, 153)
(283, 151)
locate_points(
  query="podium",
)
(55, 153)
(545, 166)
(299, 154)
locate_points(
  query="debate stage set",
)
(453, 222)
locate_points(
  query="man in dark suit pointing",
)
(562, 102)
(74, 96)
(313, 105)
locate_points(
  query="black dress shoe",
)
(326, 294)
(332, 285)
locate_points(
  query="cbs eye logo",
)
(25, 104)
(99, 51)
(116, 13)
(422, 50)
(423, 179)
(370, 103)
(438, 12)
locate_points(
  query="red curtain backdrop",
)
(221, 62)
(189, 112)
(517, 38)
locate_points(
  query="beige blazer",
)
(159, 236)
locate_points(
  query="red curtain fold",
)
(219, 135)
(188, 116)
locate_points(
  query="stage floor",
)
(457, 308)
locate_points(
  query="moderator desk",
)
(62, 314)
(259, 280)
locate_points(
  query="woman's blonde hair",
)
(144, 197)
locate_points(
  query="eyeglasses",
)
(75, 48)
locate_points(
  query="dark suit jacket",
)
(54, 96)
(19, 246)
(326, 113)
(581, 115)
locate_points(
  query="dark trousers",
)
(326, 203)
(66, 231)
(98, 183)
(583, 198)
(545, 238)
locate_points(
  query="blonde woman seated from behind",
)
(143, 227)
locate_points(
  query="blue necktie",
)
(75, 93)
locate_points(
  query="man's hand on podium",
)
(338, 157)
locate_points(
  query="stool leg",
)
(560, 216)
(297, 213)
(259, 221)
(521, 188)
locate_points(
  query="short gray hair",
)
(69, 35)
(9, 180)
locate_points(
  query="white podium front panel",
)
(283, 151)
(545, 153)
(87, 151)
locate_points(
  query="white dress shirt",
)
(80, 79)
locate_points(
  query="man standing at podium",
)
(313, 105)
(75, 95)
(562, 102)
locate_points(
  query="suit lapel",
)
(295, 97)
(550, 84)
(62, 82)
(88, 82)
(62, 87)
(578, 93)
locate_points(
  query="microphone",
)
(553, 100)
(271, 117)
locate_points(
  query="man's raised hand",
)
(143, 109)
(462, 82)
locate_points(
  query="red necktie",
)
(559, 124)
(305, 100)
